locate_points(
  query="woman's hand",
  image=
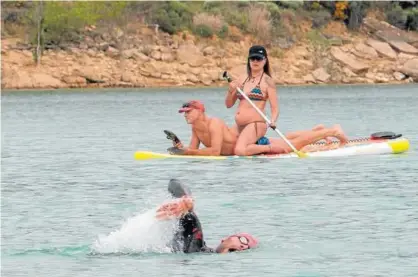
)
(233, 86)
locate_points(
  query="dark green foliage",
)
(412, 20)
(171, 16)
(356, 12)
(203, 30)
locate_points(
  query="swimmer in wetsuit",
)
(189, 238)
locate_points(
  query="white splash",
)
(141, 233)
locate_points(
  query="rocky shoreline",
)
(381, 54)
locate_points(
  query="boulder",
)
(382, 48)
(364, 51)
(404, 47)
(321, 74)
(410, 68)
(349, 60)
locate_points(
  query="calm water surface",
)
(75, 202)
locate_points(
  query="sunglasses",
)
(256, 59)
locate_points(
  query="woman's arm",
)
(274, 103)
(231, 95)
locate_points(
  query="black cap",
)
(257, 51)
(177, 189)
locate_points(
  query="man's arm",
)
(216, 135)
(194, 142)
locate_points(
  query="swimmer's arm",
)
(272, 93)
(216, 134)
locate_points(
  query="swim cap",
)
(252, 241)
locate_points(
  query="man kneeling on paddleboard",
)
(220, 139)
(189, 237)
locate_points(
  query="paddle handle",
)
(261, 113)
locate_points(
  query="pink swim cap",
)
(252, 241)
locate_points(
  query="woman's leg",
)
(248, 137)
(318, 127)
(314, 136)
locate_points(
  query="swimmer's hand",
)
(175, 208)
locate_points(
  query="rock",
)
(128, 77)
(112, 52)
(215, 74)
(364, 51)
(43, 80)
(321, 74)
(156, 55)
(398, 76)
(205, 79)
(150, 69)
(402, 46)
(208, 51)
(190, 54)
(304, 64)
(382, 48)
(309, 78)
(92, 75)
(167, 57)
(348, 59)
(348, 72)
(410, 68)
(103, 46)
(301, 52)
(192, 78)
(377, 77)
(405, 57)
(74, 80)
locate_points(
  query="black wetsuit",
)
(189, 238)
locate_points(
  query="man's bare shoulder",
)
(216, 124)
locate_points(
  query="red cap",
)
(194, 104)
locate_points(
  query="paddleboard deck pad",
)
(376, 144)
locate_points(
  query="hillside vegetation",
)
(58, 24)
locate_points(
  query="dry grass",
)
(213, 21)
(259, 22)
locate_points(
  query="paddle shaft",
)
(266, 119)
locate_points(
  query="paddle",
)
(299, 153)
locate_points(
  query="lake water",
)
(75, 202)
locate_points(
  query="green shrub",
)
(203, 30)
(223, 32)
(412, 21)
(295, 4)
(356, 12)
(320, 18)
(172, 16)
(397, 16)
(237, 18)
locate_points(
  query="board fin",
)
(385, 135)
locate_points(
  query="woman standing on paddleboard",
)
(260, 87)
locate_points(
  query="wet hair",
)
(266, 67)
